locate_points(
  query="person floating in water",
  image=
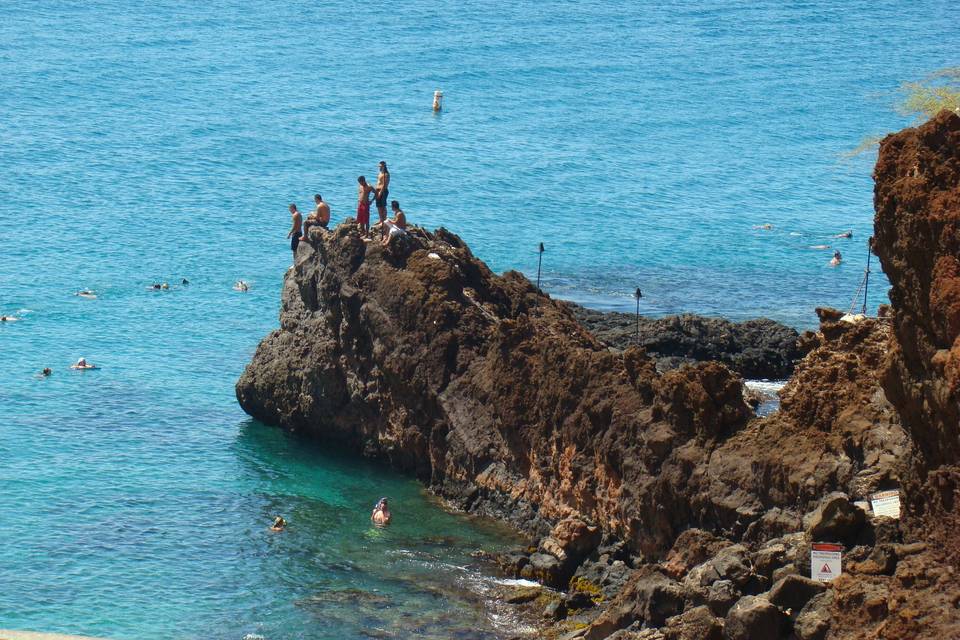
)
(241, 285)
(184, 281)
(8, 318)
(395, 227)
(319, 218)
(381, 191)
(437, 100)
(363, 205)
(845, 234)
(83, 365)
(381, 512)
(279, 524)
(837, 259)
(86, 293)
(157, 286)
(295, 228)
(46, 372)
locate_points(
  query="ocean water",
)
(143, 142)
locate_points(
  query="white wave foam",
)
(765, 386)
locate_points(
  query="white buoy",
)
(437, 100)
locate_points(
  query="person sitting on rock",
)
(395, 226)
(381, 512)
(279, 524)
(319, 218)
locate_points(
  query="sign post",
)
(825, 563)
(539, 262)
(638, 294)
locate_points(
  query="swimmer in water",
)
(763, 227)
(86, 293)
(845, 234)
(8, 318)
(184, 282)
(837, 259)
(819, 246)
(240, 285)
(381, 513)
(46, 372)
(82, 364)
(279, 524)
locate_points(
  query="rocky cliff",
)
(659, 505)
(917, 237)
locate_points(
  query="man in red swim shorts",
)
(364, 192)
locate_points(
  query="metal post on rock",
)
(866, 276)
(539, 263)
(638, 294)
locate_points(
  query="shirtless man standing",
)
(382, 191)
(319, 218)
(364, 191)
(295, 232)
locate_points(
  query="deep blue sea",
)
(642, 143)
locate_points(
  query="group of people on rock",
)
(366, 193)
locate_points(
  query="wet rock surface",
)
(756, 349)
(657, 505)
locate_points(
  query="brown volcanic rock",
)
(917, 232)
(486, 389)
(496, 397)
(917, 199)
(835, 432)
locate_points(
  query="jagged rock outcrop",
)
(495, 396)
(656, 499)
(487, 390)
(756, 349)
(917, 237)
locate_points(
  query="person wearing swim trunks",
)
(295, 229)
(395, 227)
(364, 191)
(319, 218)
(382, 191)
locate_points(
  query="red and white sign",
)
(825, 564)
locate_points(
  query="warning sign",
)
(825, 561)
(886, 503)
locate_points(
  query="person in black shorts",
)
(295, 228)
(381, 191)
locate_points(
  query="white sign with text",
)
(886, 503)
(825, 563)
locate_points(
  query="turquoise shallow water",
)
(143, 142)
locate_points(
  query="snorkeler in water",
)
(381, 512)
